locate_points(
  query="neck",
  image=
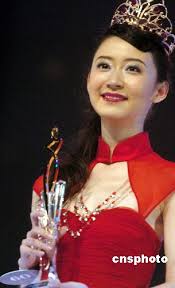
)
(113, 132)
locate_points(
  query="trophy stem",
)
(55, 201)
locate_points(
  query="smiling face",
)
(122, 83)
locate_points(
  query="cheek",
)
(94, 89)
(95, 82)
(90, 89)
(140, 87)
(149, 90)
(135, 87)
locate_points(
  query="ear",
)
(161, 92)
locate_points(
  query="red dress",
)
(119, 231)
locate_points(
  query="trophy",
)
(50, 202)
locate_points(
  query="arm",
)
(169, 237)
(169, 240)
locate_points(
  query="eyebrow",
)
(125, 60)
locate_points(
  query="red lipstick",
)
(114, 97)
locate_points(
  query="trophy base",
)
(38, 284)
(19, 277)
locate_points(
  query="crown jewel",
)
(151, 16)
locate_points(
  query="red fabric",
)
(143, 164)
(38, 185)
(116, 232)
(152, 179)
(119, 231)
(128, 149)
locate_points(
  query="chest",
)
(107, 179)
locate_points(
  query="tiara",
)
(149, 16)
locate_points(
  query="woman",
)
(120, 199)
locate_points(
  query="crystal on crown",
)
(151, 15)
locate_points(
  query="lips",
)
(113, 97)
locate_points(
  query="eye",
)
(103, 66)
(134, 68)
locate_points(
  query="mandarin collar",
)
(127, 149)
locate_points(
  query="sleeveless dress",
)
(119, 231)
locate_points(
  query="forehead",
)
(120, 49)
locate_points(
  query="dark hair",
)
(74, 163)
(146, 42)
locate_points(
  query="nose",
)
(115, 81)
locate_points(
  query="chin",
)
(111, 112)
(113, 116)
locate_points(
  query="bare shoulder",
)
(169, 204)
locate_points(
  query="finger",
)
(34, 216)
(39, 232)
(36, 245)
(27, 251)
(27, 262)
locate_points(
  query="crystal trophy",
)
(50, 202)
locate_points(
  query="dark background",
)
(45, 51)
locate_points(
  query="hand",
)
(37, 243)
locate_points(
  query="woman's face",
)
(122, 83)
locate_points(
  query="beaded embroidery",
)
(85, 216)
